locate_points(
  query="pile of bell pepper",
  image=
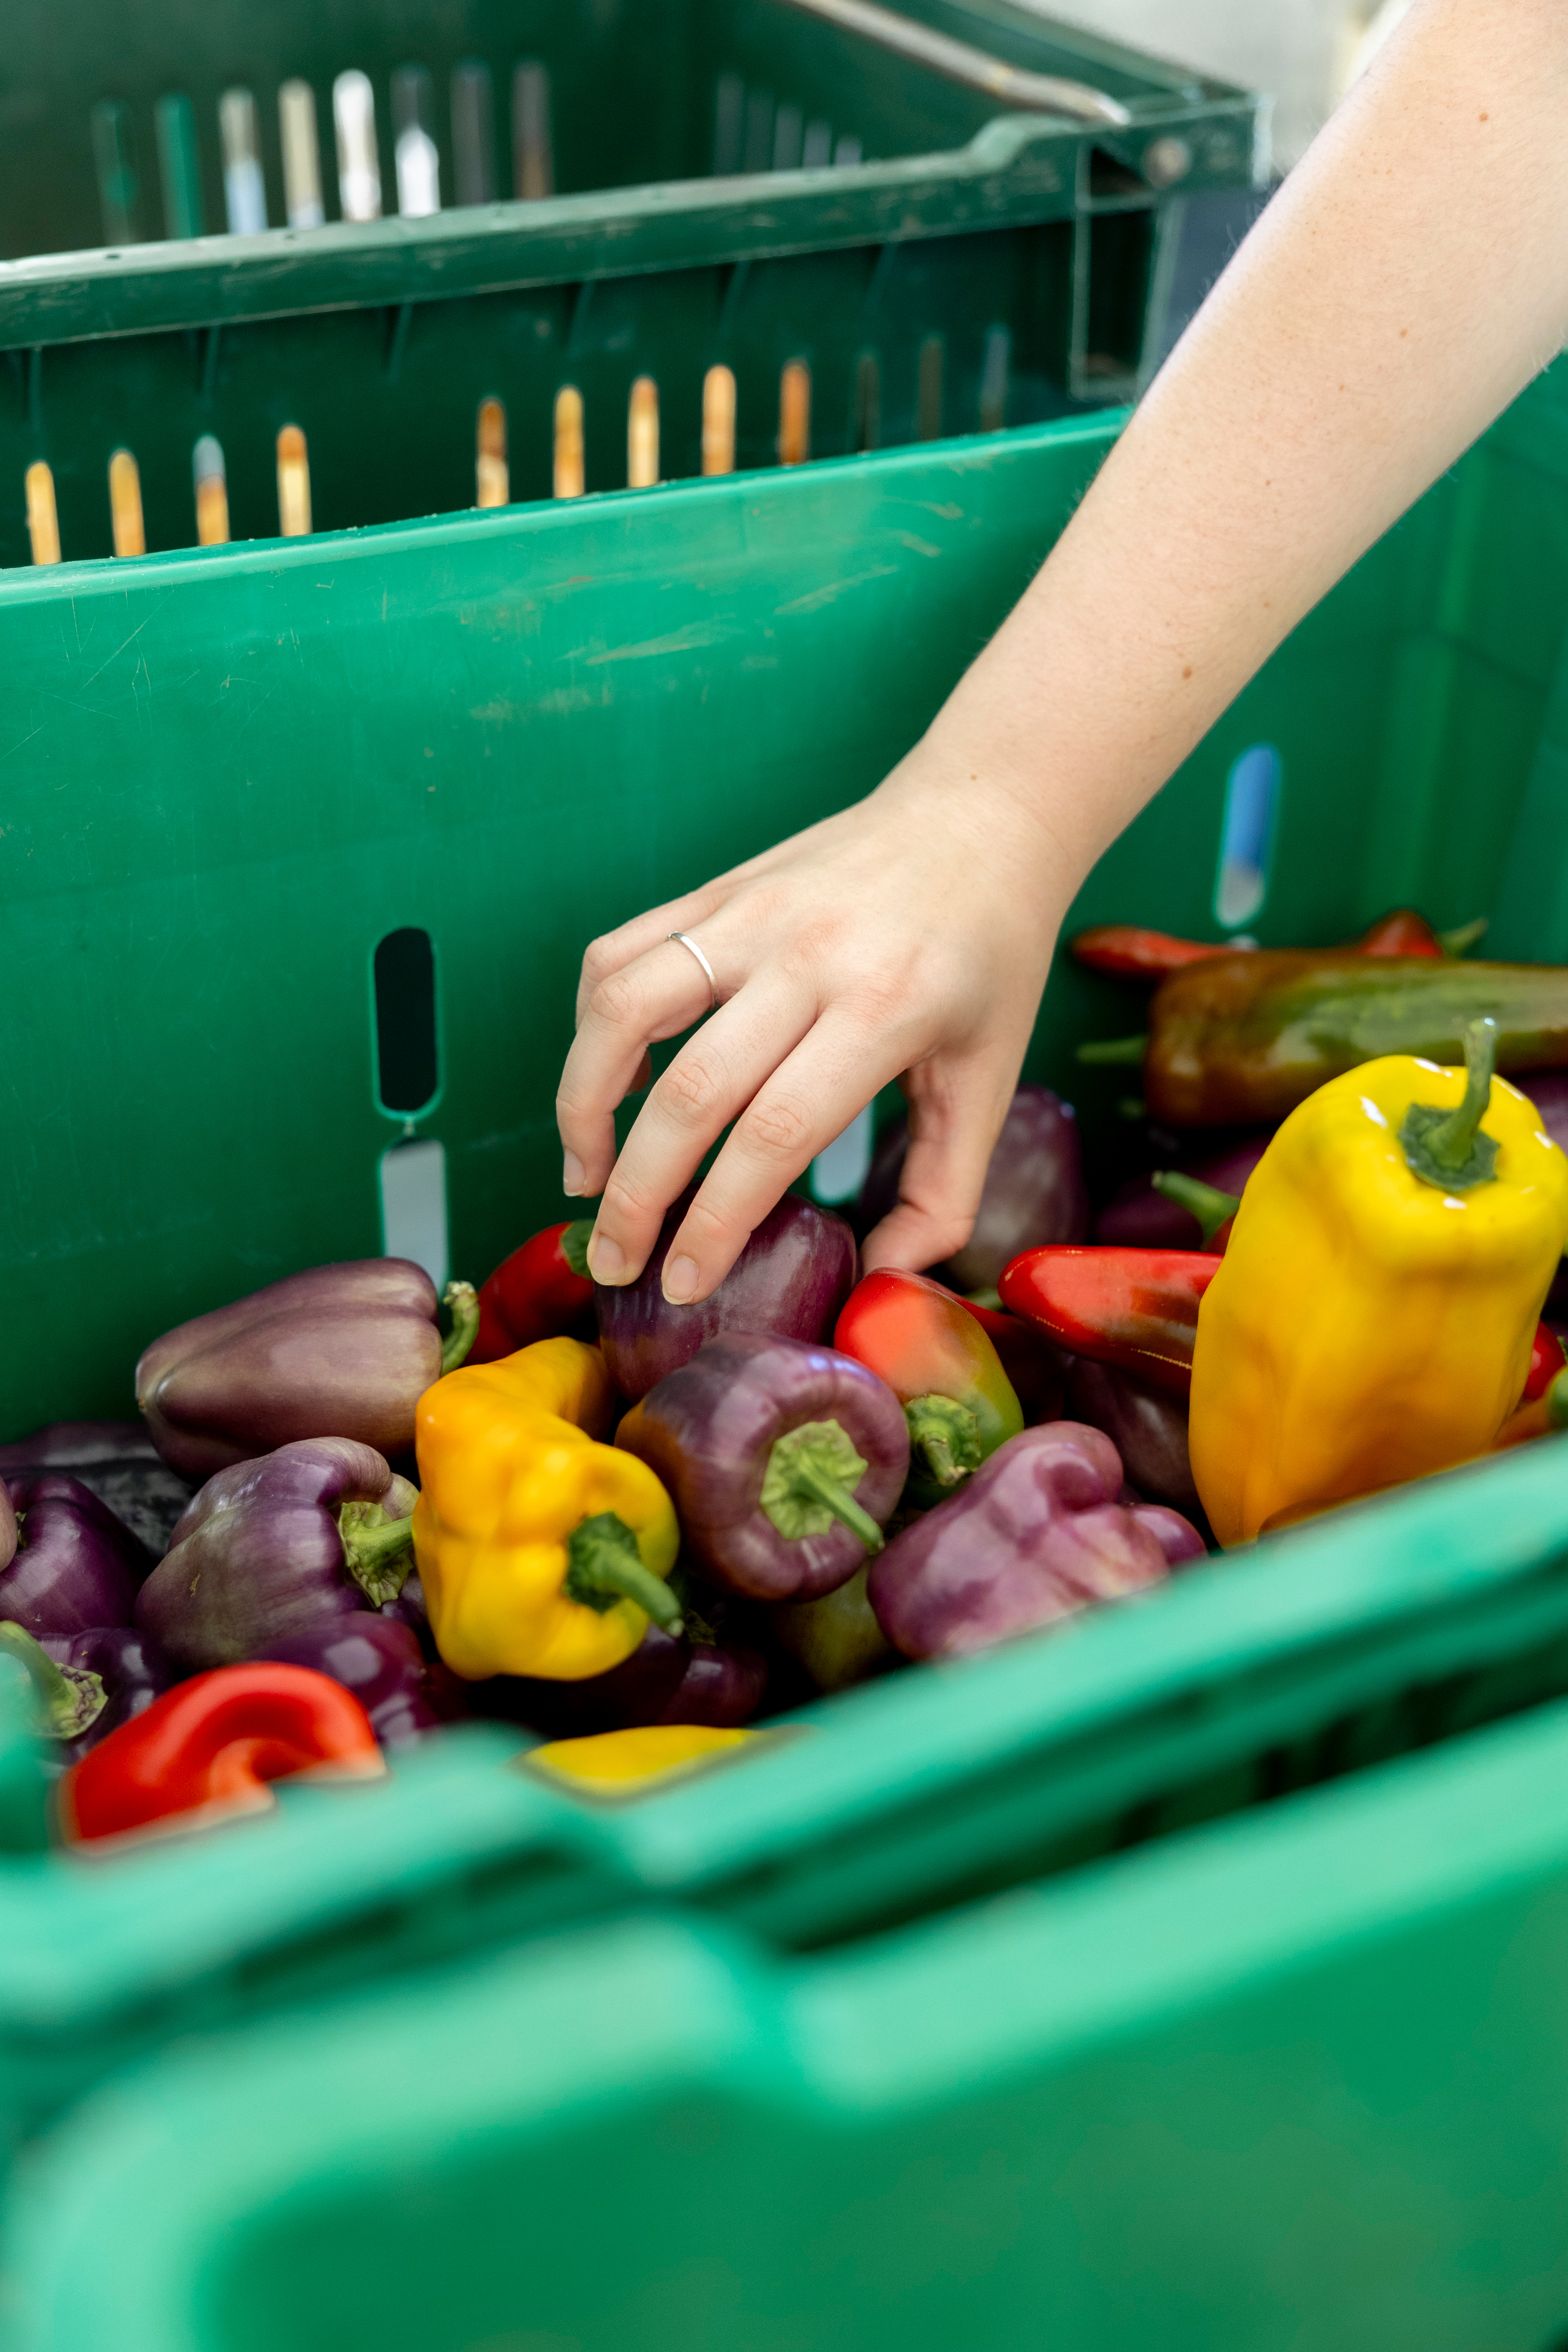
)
(355, 1513)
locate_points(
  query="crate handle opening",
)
(414, 1206)
(492, 480)
(718, 421)
(1248, 835)
(407, 1071)
(210, 476)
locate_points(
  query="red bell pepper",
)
(1128, 951)
(1136, 1308)
(542, 1291)
(934, 1355)
(209, 1746)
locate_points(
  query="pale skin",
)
(1408, 281)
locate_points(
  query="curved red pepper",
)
(1546, 1361)
(542, 1291)
(934, 1355)
(211, 1745)
(1128, 951)
(1138, 1308)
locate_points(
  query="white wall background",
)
(1303, 51)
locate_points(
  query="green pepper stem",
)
(947, 1433)
(463, 1300)
(377, 1550)
(1207, 1202)
(603, 1566)
(1446, 1147)
(1557, 1401)
(574, 1245)
(811, 1477)
(69, 1699)
(1113, 1052)
(1469, 935)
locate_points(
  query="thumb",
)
(955, 1117)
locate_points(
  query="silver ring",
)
(687, 941)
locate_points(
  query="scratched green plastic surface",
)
(381, 340)
(228, 774)
(1294, 2084)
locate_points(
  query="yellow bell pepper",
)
(541, 1552)
(626, 1760)
(1372, 1317)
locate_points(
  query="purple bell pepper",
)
(1142, 1218)
(1037, 1535)
(792, 1277)
(708, 1674)
(1147, 1426)
(381, 1661)
(312, 1532)
(131, 1668)
(782, 1461)
(120, 1463)
(338, 1351)
(75, 1565)
(1034, 1191)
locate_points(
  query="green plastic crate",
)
(977, 265)
(1295, 2082)
(229, 776)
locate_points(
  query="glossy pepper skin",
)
(1368, 1325)
(1034, 1191)
(542, 1291)
(1147, 1425)
(1037, 1534)
(318, 1530)
(1135, 1307)
(541, 1552)
(712, 1672)
(792, 1278)
(74, 1566)
(381, 1661)
(338, 1351)
(208, 1748)
(936, 1357)
(784, 1460)
(1244, 1039)
(131, 1668)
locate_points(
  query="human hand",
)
(907, 938)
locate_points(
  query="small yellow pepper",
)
(1372, 1317)
(622, 1760)
(541, 1552)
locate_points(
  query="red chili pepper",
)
(1126, 951)
(542, 1291)
(940, 1364)
(211, 1745)
(1546, 1361)
(1137, 1308)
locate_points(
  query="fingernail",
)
(680, 1280)
(571, 1175)
(606, 1259)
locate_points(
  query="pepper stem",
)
(69, 1699)
(1447, 1149)
(377, 1550)
(810, 1481)
(603, 1566)
(574, 1245)
(1468, 935)
(464, 1302)
(1207, 1202)
(947, 1433)
(1113, 1052)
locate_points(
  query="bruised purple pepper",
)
(1147, 1426)
(782, 1461)
(131, 1668)
(338, 1351)
(1034, 1191)
(380, 1661)
(1036, 1536)
(792, 1277)
(312, 1532)
(75, 1564)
